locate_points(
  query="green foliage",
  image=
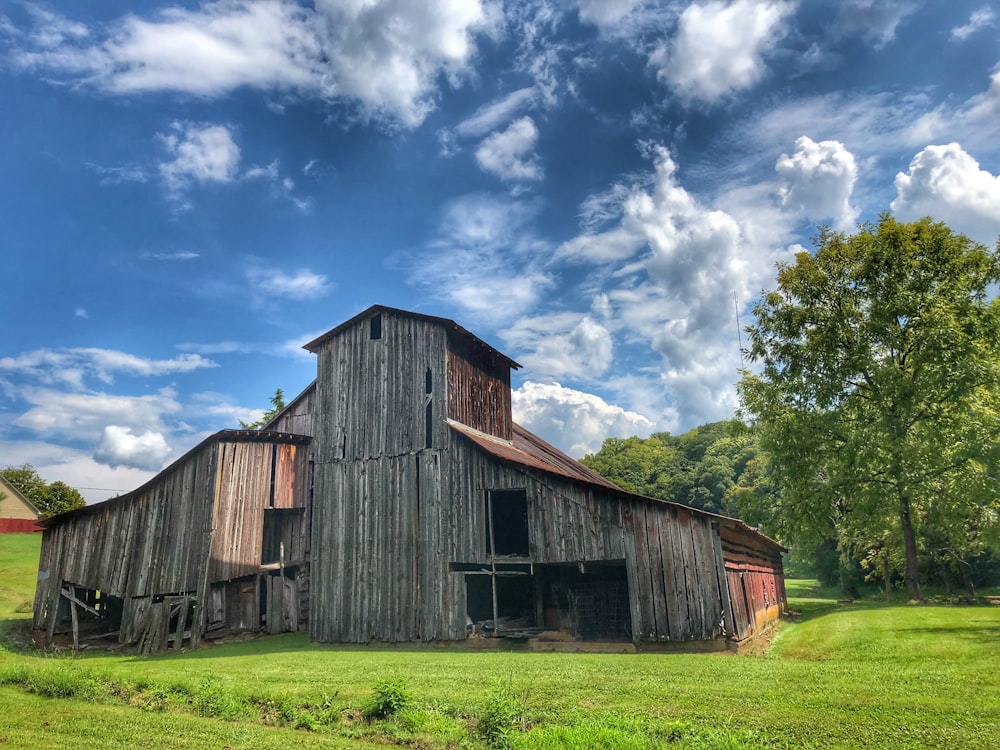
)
(500, 717)
(50, 499)
(714, 467)
(877, 400)
(389, 696)
(277, 406)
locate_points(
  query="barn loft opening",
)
(375, 327)
(507, 523)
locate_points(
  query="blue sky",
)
(191, 191)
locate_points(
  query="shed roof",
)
(451, 325)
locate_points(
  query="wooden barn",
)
(395, 500)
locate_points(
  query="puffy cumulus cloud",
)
(945, 182)
(567, 417)
(303, 284)
(874, 20)
(485, 259)
(385, 56)
(509, 153)
(980, 19)
(675, 296)
(83, 416)
(817, 181)
(719, 47)
(201, 153)
(72, 366)
(561, 344)
(119, 446)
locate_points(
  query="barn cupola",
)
(389, 381)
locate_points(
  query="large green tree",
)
(877, 394)
(50, 499)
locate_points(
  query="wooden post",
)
(73, 615)
(198, 618)
(493, 562)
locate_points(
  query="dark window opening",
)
(507, 523)
(428, 381)
(376, 328)
(282, 527)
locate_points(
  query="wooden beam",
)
(70, 593)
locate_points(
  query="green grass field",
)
(859, 675)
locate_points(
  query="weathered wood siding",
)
(380, 552)
(756, 580)
(669, 551)
(198, 521)
(388, 529)
(297, 418)
(478, 388)
(371, 395)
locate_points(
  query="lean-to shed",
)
(432, 516)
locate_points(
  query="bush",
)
(500, 717)
(389, 696)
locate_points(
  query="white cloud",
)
(509, 153)
(72, 366)
(817, 181)
(119, 446)
(385, 56)
(973, 122)
(180, 255)
(675, 298)
(81, 312)
(202, 153)
(719, 47)
(491, 116)
(873, 20)
(564, 416)
(979, 19)
(605, 13)
(485, 259)
(562, 344)
(304, 284)
(83, 416)
(946, 183)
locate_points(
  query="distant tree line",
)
(871, 436)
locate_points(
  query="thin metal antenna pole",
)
(739, 333)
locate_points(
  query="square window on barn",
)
(507, 523)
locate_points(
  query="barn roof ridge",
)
(313, 345)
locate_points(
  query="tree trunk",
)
(887, 575)
(912, 570)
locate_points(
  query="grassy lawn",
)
(841, 675)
